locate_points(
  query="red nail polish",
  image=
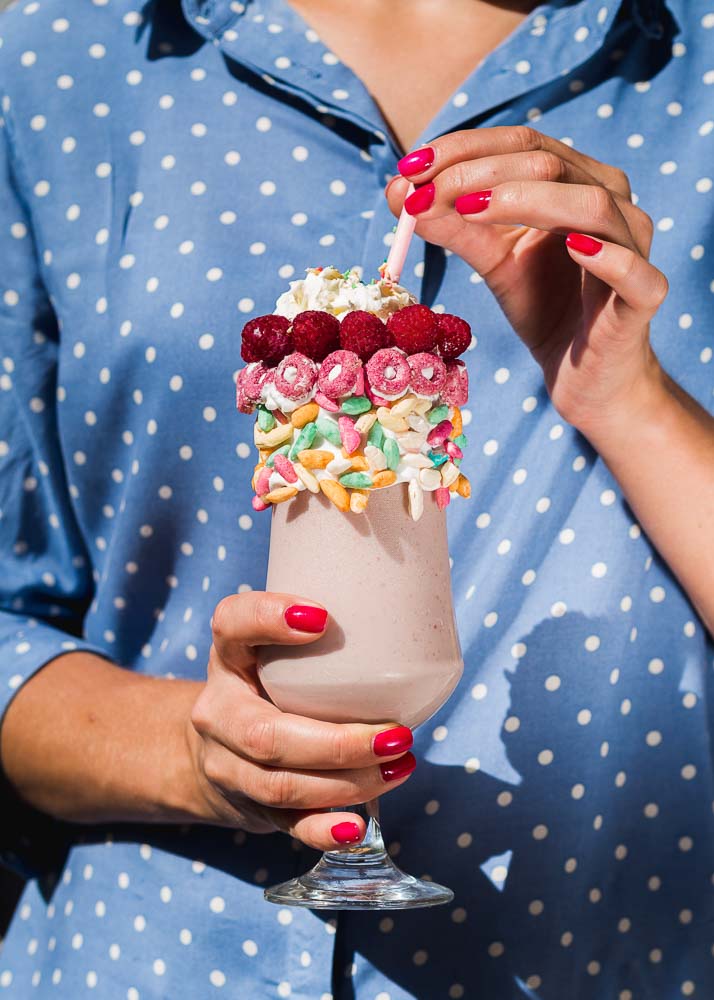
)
(398, 768)
(421, 200)
(472, 204)
(346, 833)
(306, 618)
(392, 741)
(416, 162)
(583, 244)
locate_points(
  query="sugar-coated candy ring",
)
(455, 390)
(295, 376)
(339, 373)
(388, 371)
(428, 373)
(249, 385)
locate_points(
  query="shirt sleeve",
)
(46, 581)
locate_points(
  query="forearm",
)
(661, 451)
(88, 741)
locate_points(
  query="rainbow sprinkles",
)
(355, 388)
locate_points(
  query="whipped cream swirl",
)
(329, 290)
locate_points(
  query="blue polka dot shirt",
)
(166, 170)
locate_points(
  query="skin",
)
(87, 740)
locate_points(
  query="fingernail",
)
(306, 618)
(472, 204)
(392, 741)
(583, 244)
(346, 833)
(421, 200)
(416, 162)
(398, 768)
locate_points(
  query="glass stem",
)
(371, 848)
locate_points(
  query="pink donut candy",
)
(339, 374)
(388, 371)
(456, 387)
(295, 376)
(428, 373)
(249, 385)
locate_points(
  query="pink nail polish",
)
(346, 833)
(306, 618)
(416, 162)
(396, 769)
(392, 741)
(472, 204)
(583, 244)
(421, 200)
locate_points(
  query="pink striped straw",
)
(400, 245)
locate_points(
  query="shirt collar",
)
(271, 40)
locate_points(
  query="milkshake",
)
(357, 391)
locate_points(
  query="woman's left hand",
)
(505, 199)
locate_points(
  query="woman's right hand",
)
(264, 770)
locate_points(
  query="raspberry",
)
(364, 333)
(266, 338)
(413, 329)
(453, 336)
(316, 334)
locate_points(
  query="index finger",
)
(257, 618)
(450, 149)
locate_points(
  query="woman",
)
(164, 166)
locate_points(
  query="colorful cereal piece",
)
(262, 482)
(456, 387)
(388, 371)
(457, 420)
(256, 470)
(329, 430)
(285, 468)
(358, 463)
(338, 466)
(270, 461)
(418, 423)
(376, 435)
(410, 441)
(438, 414)
(461, 440)
(438, 458)
(356, 405)
(422, 406)
(453, 450)
(429, 479)
(375, 457)
(313, 458)
(463, 486)
(365, 423)
(384, 478)
(374, 398)
(326, 404)
(351, 438)
(404, 407)
(443, 497)
(295, 376)
(391, 453)
(306, 478)
(388, 420)
(336, 493)
(358, 502)
(304, 440)
(417, 461)
(304, 414)
(281, 494)
(266, 420)
(258, 504)
(249, 385)
(439, 434)
(272, 439)
(428, 373)
(356, 480)
(416, 500)
(338, 374)
(359, 384)
(449, 474)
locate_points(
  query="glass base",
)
(363, 877)
(370, 886)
